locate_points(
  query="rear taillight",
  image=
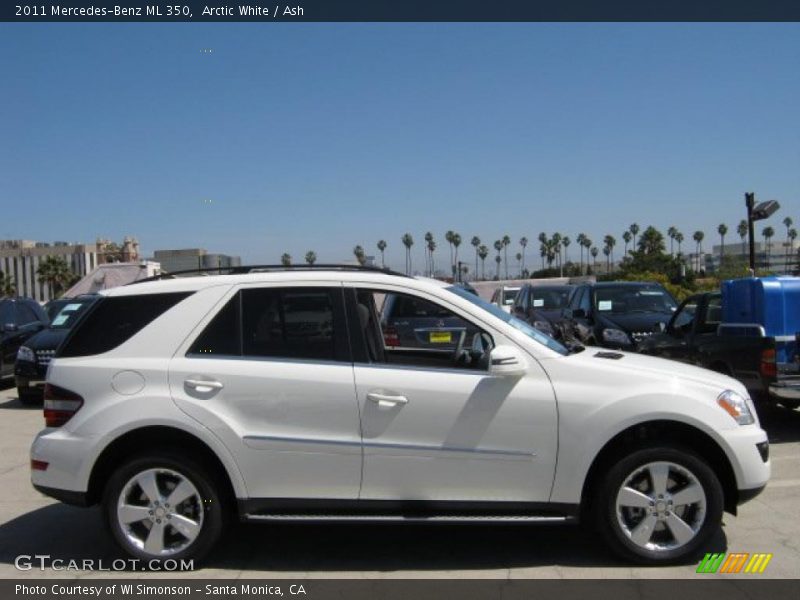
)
(769, 367)
(391, 337)
(59, 405)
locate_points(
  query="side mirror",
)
(10, 327)
(578, 313)
(507, 361)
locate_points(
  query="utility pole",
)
(750, 202)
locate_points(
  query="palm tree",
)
(768, 232)
(587, 243)
(581, 239)
(7, 285)
(542, 246)
(594, 252)
(483, 253)
(286, 259)
(311, 257)
(792, 235)
(54, 271)
(607, 252)
(431, 246)
(698, 238)
(498, 259)
(360, 255)
(626, 237)
(506, 243)
(651, 241)
(456, 244)
(523, 241)
(565, 242)
(555, 243)
(428, 258)
(742, 230)
(787, 222)
(518, 256)
(408, 241)
(449, 239)
(679, 239)
(498, 245)
(634, 229)
(722, 230)
(381, 249)
(609, 242)
(672, 232)
(476, 242)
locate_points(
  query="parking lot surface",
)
(31, 524)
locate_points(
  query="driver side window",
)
(404, 329)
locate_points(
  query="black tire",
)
(790, 404)
(608, 517)
(209, 489)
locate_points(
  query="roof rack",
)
(244, 269)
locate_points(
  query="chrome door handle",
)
(386, 399)
(203, 386)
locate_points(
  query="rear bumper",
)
(65, 496)
(785, 389)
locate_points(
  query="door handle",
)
(386, 399)
(203, 386)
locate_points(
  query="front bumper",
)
(747, 449)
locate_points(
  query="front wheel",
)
(163, 506)
(659, 505)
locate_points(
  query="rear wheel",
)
(163, 506)
(659, 505)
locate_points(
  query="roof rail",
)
(244, 269)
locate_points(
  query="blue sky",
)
(291, 137)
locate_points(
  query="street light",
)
(757, 212)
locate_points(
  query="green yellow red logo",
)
(734, 562)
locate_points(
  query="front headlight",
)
(616, 336)
(25, 353)
(736, 406)
(544, 327)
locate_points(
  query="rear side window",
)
(409, 307)
(115, 320)
(296, 323)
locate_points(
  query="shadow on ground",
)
(781, 424)
(69, 533)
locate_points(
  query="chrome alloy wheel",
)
(160, 512)
(661, 506)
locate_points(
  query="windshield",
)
(513, 321)
(68, 315)
(550, 298)
(633, 299)
(509, 295)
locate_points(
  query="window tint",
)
(26, 314)
(550, 298)
(7, 313)
(115, 320)
(222, 336)
(405, 307)
(586, 301)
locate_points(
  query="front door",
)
(438, 427)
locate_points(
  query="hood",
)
(633, 368)
(46, 339)
(633, 322)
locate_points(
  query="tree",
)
(742, 230)
(634, 229)
(523, 241)
(382, 249)
(506, 243)
(311, 257)
(555, 247)
(587, 243)
(679, 239)
(651, 241)
(607, 252)
(360, 255)
(428, 257)
(456, 244)
(792, 235)
(483, 253)
(286, 259)
(498, 259)
(476, 243)
(787, 222)
(594, 251)
(672, 232)
(431, 249)
(722, 229)
(626, 237)
(518, 256)
(408, 241)
(542, 246)
(768, 232)
(609, 242)
(54, 271)
(498, 245)
(448, 237)
(7, 286)
(698, 239)
(565, 242)
(580, 239)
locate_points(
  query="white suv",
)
(269, 395)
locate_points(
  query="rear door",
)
(271, 374)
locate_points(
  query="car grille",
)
(638, 336)
(43, 356)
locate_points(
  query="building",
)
(781, 258)
(193, 258)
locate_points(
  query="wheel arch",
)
(663, 431)
(161, 437)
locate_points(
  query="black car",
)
(33, 357)
(20, 318)
(542, 306)
(617, 314)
